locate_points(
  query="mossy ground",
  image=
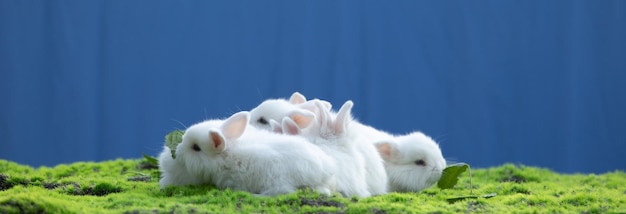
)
(130, 186)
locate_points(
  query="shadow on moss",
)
(4, 182)
(377, 211)
(175, 209)
(72, 188)
(322, 201)
(145, 165)
(143, 178)
(17, 206)
(516, 174)
(513, 178)
(7, 182)
(100, 189)
(51, 185)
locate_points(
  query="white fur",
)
(276, 109)
(298, 109)
(401, 155)
(173, 171)
(332, 135)
(256, 161)
(377, 177)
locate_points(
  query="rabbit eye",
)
(420, 162)
(195, 147)
(262, 121)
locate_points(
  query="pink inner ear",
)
(301, 120)
(235, 125)
(217, 140)
(292, 129)
(384, 149)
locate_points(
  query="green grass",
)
(130, 186)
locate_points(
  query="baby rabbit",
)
(276, 109)
(173, 171)
(256, 161)
(331, 134)
(299, 110)
(413, 162)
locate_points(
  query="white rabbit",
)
(299, 110)
(276, 109)
(377, 178)
(332, 135)
(256, 161)
(413, 162)
(173, 171)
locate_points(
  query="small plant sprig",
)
(151, 160)
(450, 177)
(173, 139)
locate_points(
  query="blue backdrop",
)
(539, 83)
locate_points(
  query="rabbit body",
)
(173, 171)
(256, 161)
(413, 162)
(330, 132)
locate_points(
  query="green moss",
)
(131, 186)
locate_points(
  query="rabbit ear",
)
(234, 126)
(276, 128)
(218, 140)
(309, 105)
(302, 118)
(326, 104)
(323, 115)
(387, 150)
(297, 98)
(343, 118)
(290, 127)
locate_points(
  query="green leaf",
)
(151, 160)
(451, 174)
(173, 139)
